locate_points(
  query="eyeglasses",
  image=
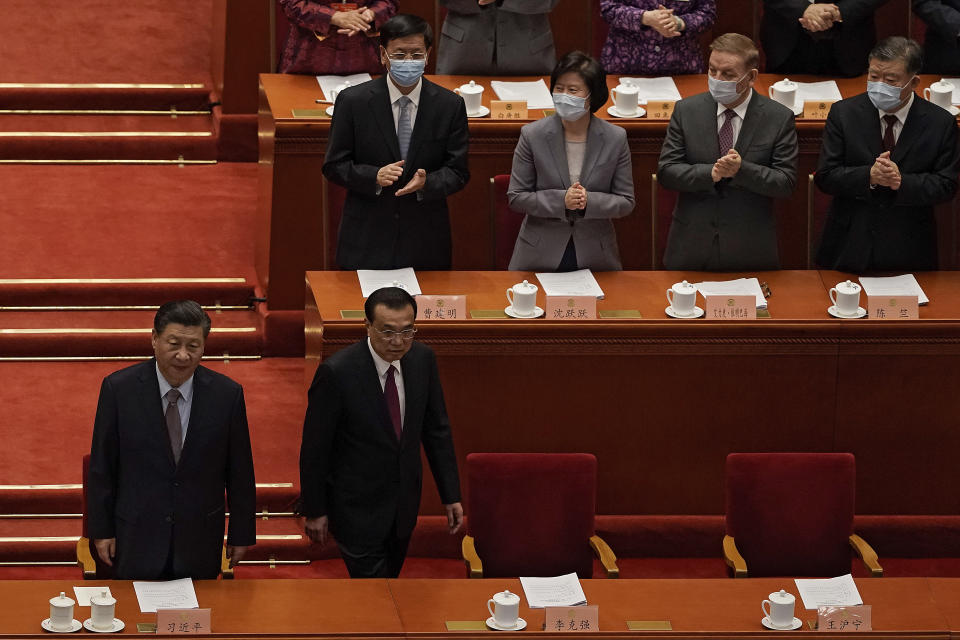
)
(387, 334)
(397, 57)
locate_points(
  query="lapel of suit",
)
(152, 406)
(422, 124)
(911, 131)
(707, 123)
(871, 130)
(751, 122)
(413, 387)
(379, 103)
(370, 380)
(199, 409)
(596, 140)
(558, 150)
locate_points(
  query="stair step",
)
(183, 97)
(108, 145)
(22, 293)
(19, 125)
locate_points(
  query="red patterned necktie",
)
(392, 397)
(889, 141)
(725, 136)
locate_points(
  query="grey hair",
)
(899, 48)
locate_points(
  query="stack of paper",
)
(329, 83)
(829, 592)
(956, 89)
(173, 594)
(654, 88)
(826, 90)
(905, 285)
(562, 591)
(738, 287)
(574, 283)
(535, 93)
(372, 279)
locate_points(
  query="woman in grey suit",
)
(571, 175)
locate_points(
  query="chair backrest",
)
(791, 513)
(505, 221)
(333, 196)
(531, 514)
(663, 202)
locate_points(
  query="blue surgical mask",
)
(569, 107)
(884, 96)
(724, 91)
(406, 73)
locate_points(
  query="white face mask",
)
(725, 91)
(569, 107)
(885, 97)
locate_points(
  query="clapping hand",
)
(576, 198)
(726, 166)
(885, 172)
(350, 23)
(662, 21)
(416, 183)
(820, 17)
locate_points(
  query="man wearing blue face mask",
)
(728, 152)
(399, 146)
(888, 157)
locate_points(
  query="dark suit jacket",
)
(850, 40)
(383, 231)
(941, 42)
(136, 494)
(352, 468)
(880, 228)
(728, 225)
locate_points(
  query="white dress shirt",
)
(184, 404)
(382, 367)
(737, 121)
(395, 106)
(901, 119)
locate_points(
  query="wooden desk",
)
(946, 595)
(661, 402)
(292, 236)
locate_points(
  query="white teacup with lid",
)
(61, 613)
(523, 298)
(471, 94)
(626, 99)
(784, 92)
(780, 612)
(505, 609)
(846, 298)
(940, 93)
(682, 297)
(102, 608)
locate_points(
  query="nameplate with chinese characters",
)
(843, 619)
(571, 308)
(433, 307)
(182, 621)
(660, 109)
(731, 307)
(893, 308)
(508, 109)
(816, 109)
(582, 618)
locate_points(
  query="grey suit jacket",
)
(539, 181)
(503, 38)
(728, 225)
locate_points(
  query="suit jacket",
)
(352, 467)
(539, 181)
(509, 37)
(881, 228)
(379, 230)
(137, 494)
(729, 225)
(941, 43)
(850, 40)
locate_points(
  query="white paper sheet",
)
(85, 593)
(829, 592)
(561, 591)
(956, 89)
(173, 594)
(574, 283)
(373, 279)
(654, 88)
(738, 287)
(536, 93)
(905, 285)
(826, 90)
(328, 83)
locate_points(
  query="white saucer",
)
(521, 624)
(832, 310)
(697, 313)
(329, 111)
(117, 626)
(74, 626)
(954, 111)
(484, 112)
(612, 110)
(769, 625)
(797, 107)
(537, 312)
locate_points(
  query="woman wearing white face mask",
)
(571, 175)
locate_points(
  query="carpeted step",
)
(108, 122)
(87, 293)
(108, 145)
(111, 96)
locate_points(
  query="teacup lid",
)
(943, 83)
(683, 286)
(628, 88)
(524, 286)
(62, 600)
(471, 87)
(786, 82)
(781, 596)
(506, 597)
(104, 598)
(848, 287)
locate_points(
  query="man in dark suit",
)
(941, 42)
(371, 407)
(888, 157)
(399, 145)
(169, 438)
(824, 38)
(728, 152)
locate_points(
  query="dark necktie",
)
(174, 428)
(725, 136)
(889, 141)
(404, 130)
(392, 397)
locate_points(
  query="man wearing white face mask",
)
(399, 145)
(728, 152)
(888, 157)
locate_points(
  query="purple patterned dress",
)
(634, 48)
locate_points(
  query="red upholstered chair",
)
(532, 514)
(505, 221)
(662, 203)
(791, 514)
